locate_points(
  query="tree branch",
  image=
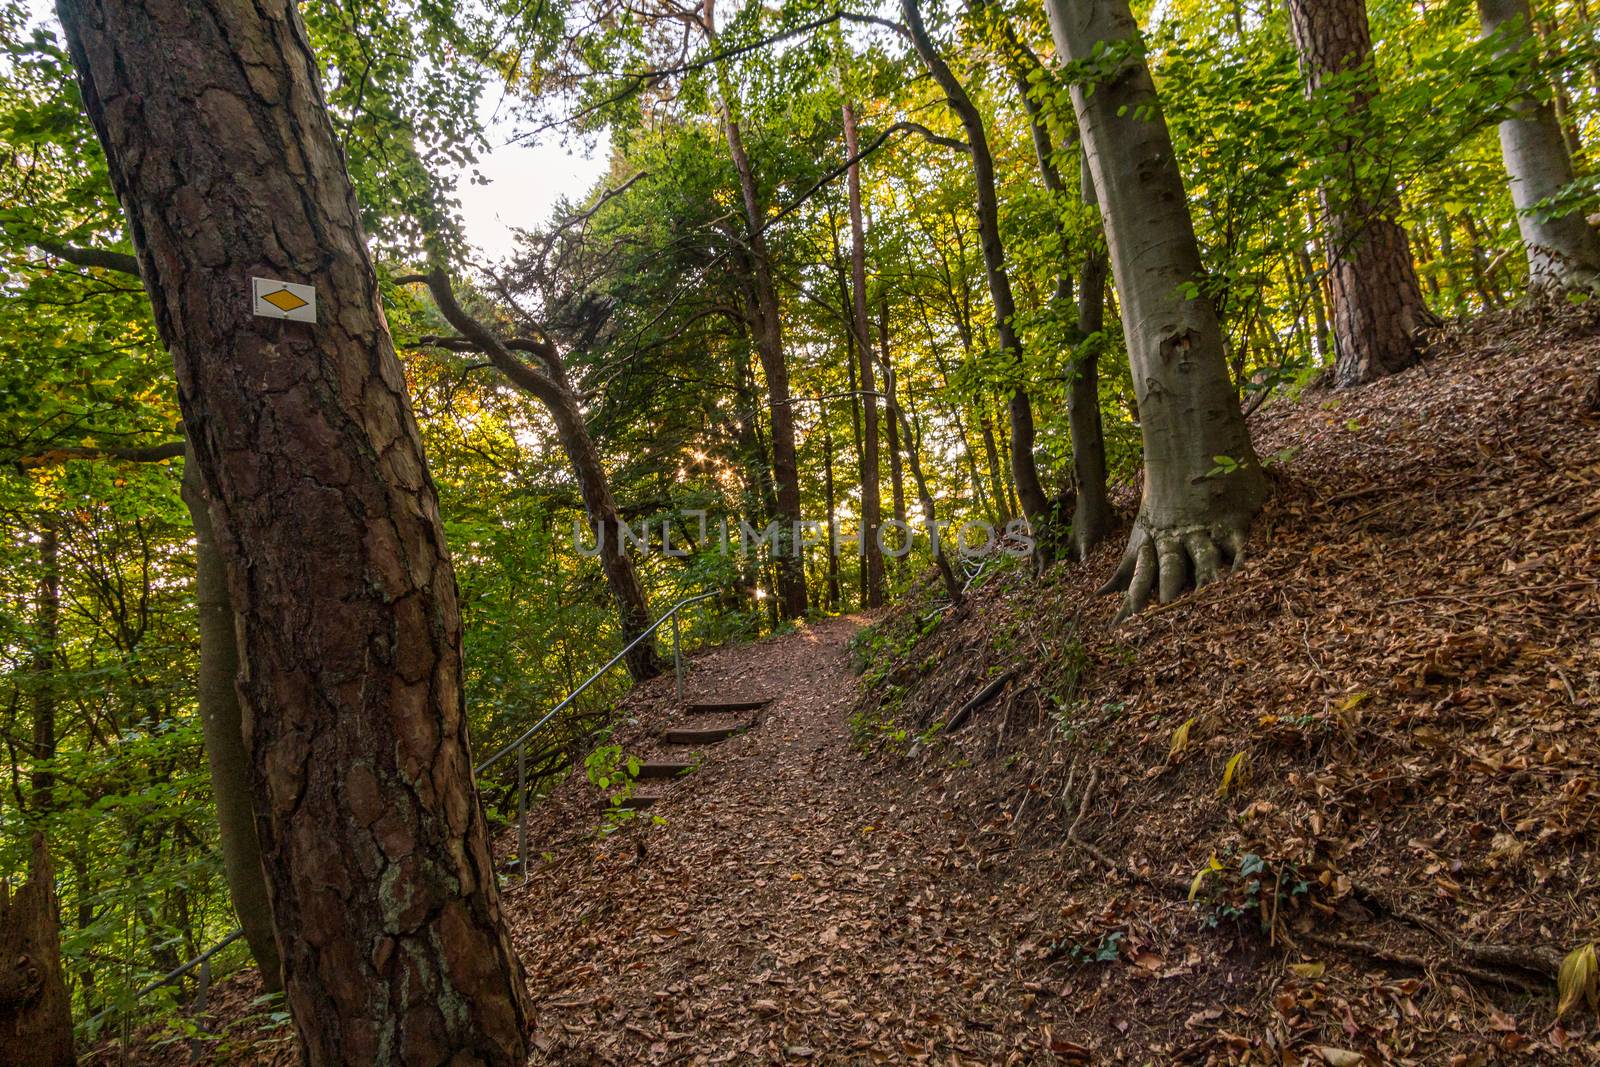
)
(541, 384)
(133, 454)
(104, 259)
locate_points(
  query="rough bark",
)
(383, 889)
(1377, 306)
(871, 498)
(222, 724)
(35, 1008)
(1192, 519)
(47, 630)
(1563, 250)
(1024, 472)
(832, 585)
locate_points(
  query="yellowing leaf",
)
(1579, 979)
(1308, 970)
(1210, 865)
(1233, 774)
(1351, 701)
(1341, 1057)
(1180, 739)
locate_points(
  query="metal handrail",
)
(519, 746)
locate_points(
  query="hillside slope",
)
(1405, 676)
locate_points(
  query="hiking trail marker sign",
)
(272, 299)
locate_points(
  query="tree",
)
(222, 721)
(35, 1010)
(861, 334)
(548, 382)
(1563, 250)
(1024, 471)
(1378, 309)
(373, 840)
(1202, 481)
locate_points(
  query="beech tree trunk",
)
(871, 500)
(1193, 519)
(35, 1008)
(1563, 250)
(897, 479)
(1024, 472)
(222, 724)
(372, 836)
(1378, 309)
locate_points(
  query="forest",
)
(1042, 451)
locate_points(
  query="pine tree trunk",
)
(223, 727)
(1378, 309)
(1193, 519)
(871, 499)
(372, 836)
(1563, 251)
(1024, 472)
(35, 1007)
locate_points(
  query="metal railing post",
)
(522, 810)
(677, 656)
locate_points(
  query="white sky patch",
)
(525, 182)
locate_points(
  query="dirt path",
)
(797, 903)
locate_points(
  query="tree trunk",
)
(871, 502)
(774, 363)
(1378, 309)
(35, 1007)
(1193, 519)
(222, 725)
(47, 632)
(832, 586)
(897, 478)
(1091, 510)
(372, 836)
(1024, 471)
(1563, 251)
(1091, 516)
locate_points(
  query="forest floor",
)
(1378, 740)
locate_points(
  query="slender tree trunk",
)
(1560, 99)
(871, 500)
(373, 839)
(774, 363)
(1563, 250)
(223, 727)
(1024, 471)
(1192, 520)
(1091, 511)
(832, 505)
(35, 1008)
(896, 471)
(47, 633)
(1378, 309)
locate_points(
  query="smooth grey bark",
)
(1563, 250)
(1193, 519)
(222, 724)
(47, 632)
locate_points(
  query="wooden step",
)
(663, 769)
(724, 707)
(638, 801)
(708, 735)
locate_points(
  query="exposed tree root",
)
(1165, 561)
(1481, 975)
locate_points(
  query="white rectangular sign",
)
(273, 299)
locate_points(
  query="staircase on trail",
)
(702, 724)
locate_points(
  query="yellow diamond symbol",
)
(284, 300)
